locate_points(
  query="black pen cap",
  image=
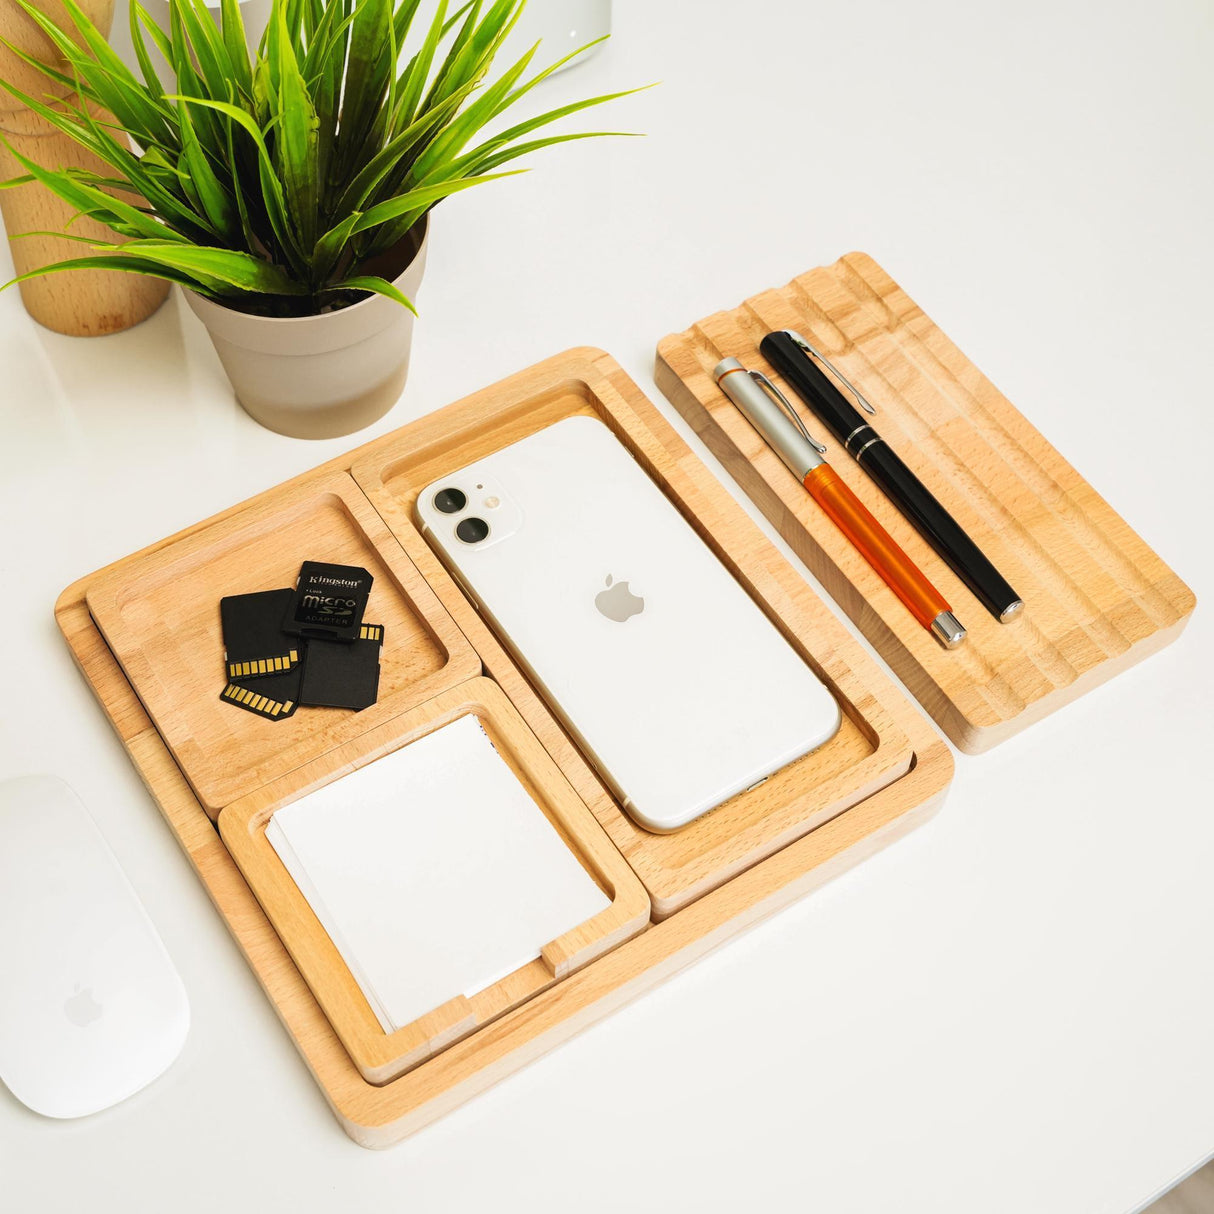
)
(811, 384)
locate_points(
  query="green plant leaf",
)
(161, 41)
(189, 80)
(102, 75)
(330, 33)
(533, 124)
(87, 198)
(388, 106)
(461, 129)
(118, 263)
(295, 145)
(492, 158)
(329, 248)
(366, 79)
(243, 210)
(88, 240)
(419, 199)
(310, 14)
(235, 40)
(150, 76)
(79, 125)
(455, 68)
(269, 51)
(540, 77)
(113, 83)
(71, 84)
(457, 17)
(402, 20)
(216, 202)
(323, 70)
(272, 194)
(380, 286)
(412, 81)
(393, 153)
(206, 43)
(228, 266)
(472, 61)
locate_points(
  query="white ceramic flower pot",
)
(318, 376)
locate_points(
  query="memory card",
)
(343, 676)
(328, 601)
(254, 642)
(254, 700)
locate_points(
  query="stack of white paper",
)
(433, 871)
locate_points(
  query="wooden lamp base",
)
(81, 303)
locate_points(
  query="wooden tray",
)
(159, 613)
(377, 1115)
(382, 1056)
(1097, 599)
(870, 749)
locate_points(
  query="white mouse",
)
(91, 1007)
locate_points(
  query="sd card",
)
(255, 701)
(328, 601)
(254, 642)
(343, 676)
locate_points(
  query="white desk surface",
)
(1008, 1011)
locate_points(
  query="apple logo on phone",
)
(81, 1008)
(617, 602)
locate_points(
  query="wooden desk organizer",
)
(887, 774)
(1097, 599)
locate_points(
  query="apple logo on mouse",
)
(617, 602)
(81, 1008)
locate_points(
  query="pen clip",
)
(813, 350)
(782, 401)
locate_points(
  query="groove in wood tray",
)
(1097, 598)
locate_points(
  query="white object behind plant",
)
(561, 25)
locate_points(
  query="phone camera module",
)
(450, 500)
(472, 530)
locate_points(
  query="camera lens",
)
(450, 500)
(472, 530)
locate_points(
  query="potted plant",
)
(288, 192)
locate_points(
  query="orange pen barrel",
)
(875, 544)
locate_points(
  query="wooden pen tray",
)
(886, 772)
(382, 1056)
(1097, 599)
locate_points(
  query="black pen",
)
(793, 357)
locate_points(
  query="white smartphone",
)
(678, 688)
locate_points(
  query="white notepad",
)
(433, 871)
